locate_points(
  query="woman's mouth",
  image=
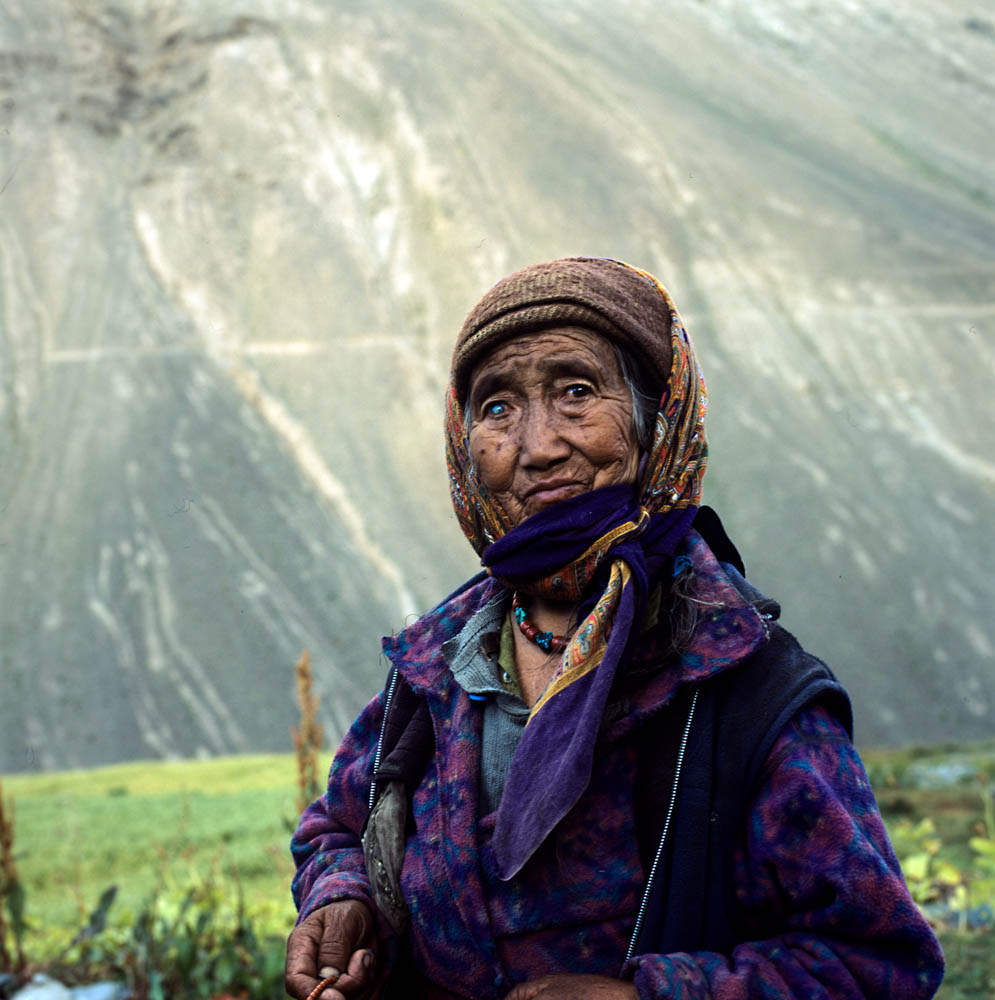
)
(552, 491)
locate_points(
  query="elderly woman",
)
(600, 769)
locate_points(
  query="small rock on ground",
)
(43, 987)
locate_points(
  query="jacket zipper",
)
(383, 728)
(663, 836)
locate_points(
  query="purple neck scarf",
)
(565, 547)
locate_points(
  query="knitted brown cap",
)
(596, 293)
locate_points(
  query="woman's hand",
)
(574, 988)
(338, 938)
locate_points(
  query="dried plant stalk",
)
(309, 737)
(6, 864)
(11, 893)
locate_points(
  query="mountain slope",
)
(236, 242)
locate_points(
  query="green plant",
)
(983, 846)
(186, 942)
(948, 890)
(931, 879)
(94, 925)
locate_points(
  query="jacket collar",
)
(417, 650)
(731, 626)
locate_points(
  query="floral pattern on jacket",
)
(814, 874)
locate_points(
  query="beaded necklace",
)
(546, 641)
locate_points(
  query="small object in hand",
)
(327, 981)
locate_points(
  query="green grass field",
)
(139, 824)
(146, 825)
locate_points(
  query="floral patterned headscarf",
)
(590, 292)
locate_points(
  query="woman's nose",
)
(542, 444)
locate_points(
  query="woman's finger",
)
(346, 927)
(300, 974)
(525, 991)
(530, 990)
(360, 977)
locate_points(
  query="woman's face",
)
(551, 417)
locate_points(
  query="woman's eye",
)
(578, 391)
(495, 408)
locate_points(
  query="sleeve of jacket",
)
(819, 884)
(326, 846)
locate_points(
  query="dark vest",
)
(738, 716)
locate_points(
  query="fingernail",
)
(368, 960)
(327, 971)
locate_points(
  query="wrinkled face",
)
(551, 417)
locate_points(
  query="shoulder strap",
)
(403, 750)
(407, 739)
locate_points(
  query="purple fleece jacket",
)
(814, 860)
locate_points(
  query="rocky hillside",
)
(236, 240)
